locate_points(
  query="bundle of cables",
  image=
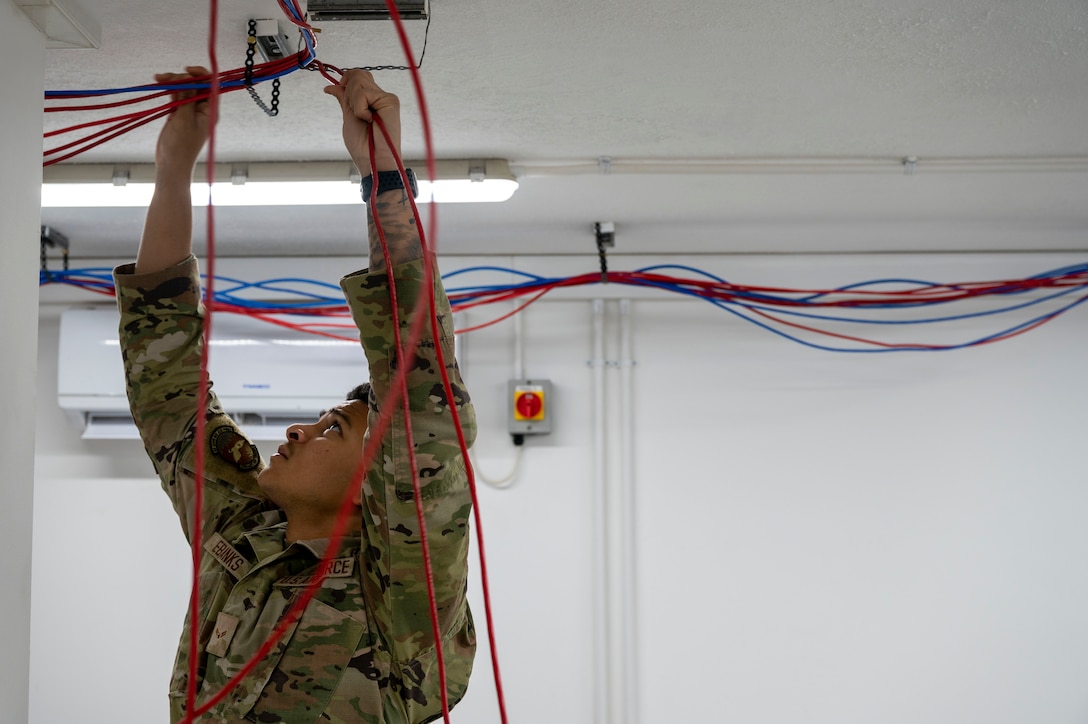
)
(59, 101)
(798, 315)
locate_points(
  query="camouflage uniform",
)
(363, 649)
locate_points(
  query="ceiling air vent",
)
(326, 10)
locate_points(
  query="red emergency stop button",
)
(529, 404)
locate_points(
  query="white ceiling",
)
(696, 103)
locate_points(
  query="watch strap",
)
(388, 181)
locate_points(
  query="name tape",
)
(336, 568)
(222, 551)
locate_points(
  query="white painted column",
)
(21, 86)
(601, 679)
(629, 651)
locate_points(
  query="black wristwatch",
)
(387, 181)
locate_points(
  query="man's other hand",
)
(360, 99)
(187, 127)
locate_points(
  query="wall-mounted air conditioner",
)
(331, 10)
(265, 375)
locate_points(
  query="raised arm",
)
(360, 100)
(168, 229)
(162, 322)
(394, 580)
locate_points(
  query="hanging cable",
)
(501, 483)
(203, 388)
(881, 303)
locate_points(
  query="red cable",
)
(306, 328)
(397, 385)
(136, 119)
(1010, 335)
(407, 358)
(202, 393)
(125, 117)
(428, 140)
(503, 317)
(346, 507)
(127, 128)
(102, 106)
(826, 333)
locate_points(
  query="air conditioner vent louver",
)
(331, 10)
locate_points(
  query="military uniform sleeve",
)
(395, 579)
(162, 320)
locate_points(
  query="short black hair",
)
(360, 393)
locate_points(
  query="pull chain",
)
(272, 110)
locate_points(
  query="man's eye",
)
(333, 426)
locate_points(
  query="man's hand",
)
(186, 129)
(360, 100)
(167, 237)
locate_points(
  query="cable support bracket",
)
(52, 237)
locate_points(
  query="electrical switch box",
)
(531, 407)
(273, 40)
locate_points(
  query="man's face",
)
(309, 474)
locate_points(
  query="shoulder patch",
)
(233, 448)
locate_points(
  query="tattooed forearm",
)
(398, 223)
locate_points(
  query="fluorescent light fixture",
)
(104, 186)
(63, 23)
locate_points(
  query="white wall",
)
(821, 538)
(21, 80)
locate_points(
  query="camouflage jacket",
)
(363, 649)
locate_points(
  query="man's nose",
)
(296, 433)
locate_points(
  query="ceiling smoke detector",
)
(327, 10)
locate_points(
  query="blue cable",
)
(728, 306)
(1063, 271)
(944, 348)
(177, 87)
(102, 278)
(831, 318)
(921, 284)
(497, 287)
(875, 282)
(268, 285)
(472, 293)
(504, 270)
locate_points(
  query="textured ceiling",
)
(991, 99)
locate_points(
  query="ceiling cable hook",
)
(606, 237)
